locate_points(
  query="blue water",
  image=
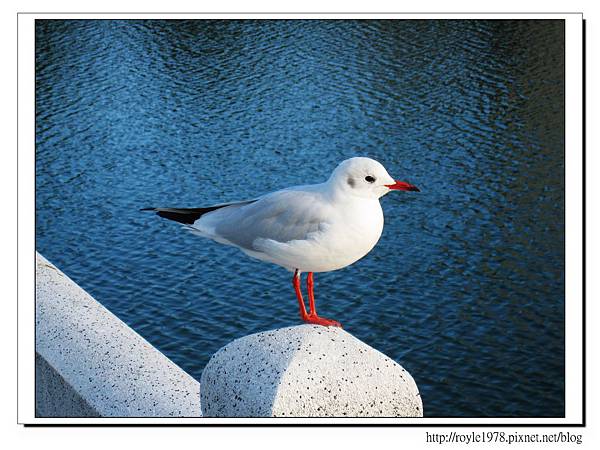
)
(466, 286)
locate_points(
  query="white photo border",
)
(574, 228)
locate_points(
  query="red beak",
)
(402, 186)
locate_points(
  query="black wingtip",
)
(190, 215)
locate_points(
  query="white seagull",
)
(313, 228)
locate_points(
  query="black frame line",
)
(386, 425)
(299, 13)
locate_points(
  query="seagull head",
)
(365, 177)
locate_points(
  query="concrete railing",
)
(306, 371)
(91, 364)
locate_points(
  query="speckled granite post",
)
(306, 371)
(90, 363)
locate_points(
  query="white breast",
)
(358, 231)
(351, 233)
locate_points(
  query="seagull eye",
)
(370, 179)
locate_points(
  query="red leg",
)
(312, 317)
(303, 314)
(310, 284)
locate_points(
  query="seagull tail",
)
(182, 215)
(188, 216)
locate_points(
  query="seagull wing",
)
(282, 216)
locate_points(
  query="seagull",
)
(311, 228)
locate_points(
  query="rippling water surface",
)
(466, 286)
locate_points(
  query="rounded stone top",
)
(306, 371)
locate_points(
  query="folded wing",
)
(282, 216)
